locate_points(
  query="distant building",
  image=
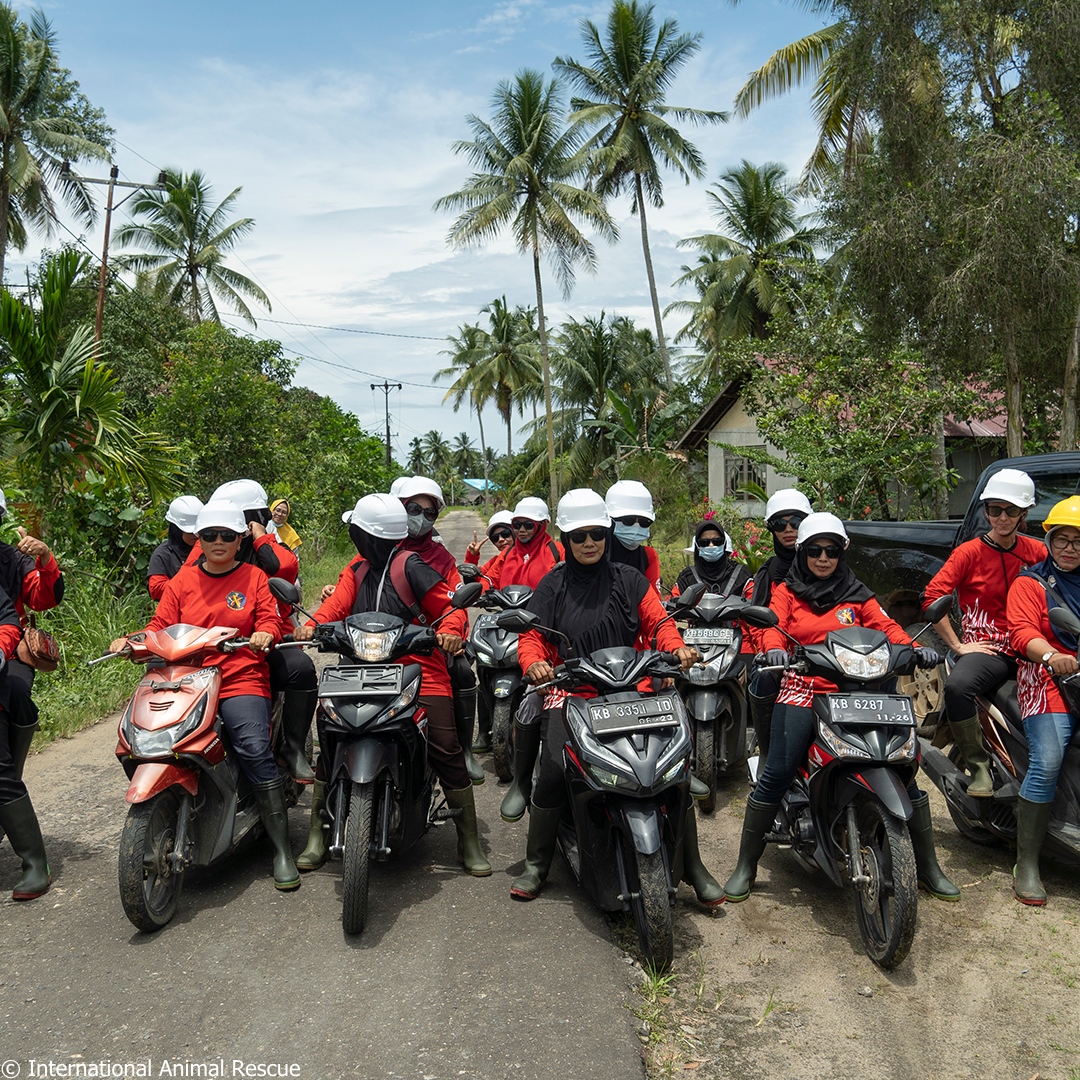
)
(474, 490)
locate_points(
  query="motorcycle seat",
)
(1005, 701)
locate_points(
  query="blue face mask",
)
(630, 536)
(711, 554)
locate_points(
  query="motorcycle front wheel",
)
(149, 885)
(705, 761)
(651, 905)
(359, 830)
(886, 904)
(502, 739)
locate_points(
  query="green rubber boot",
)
(967, 734)
(931, 876)
(539, 851)
(464, 719)
(526, 748)
(314, 855)
(19, 821)
(709, 892)
(1032, 819)
(297, 709)
(275, 818)
(757, 822)
(472, 854)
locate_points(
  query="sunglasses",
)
(429, 512)
(830, 551)
(523, 526)
(997, 509)
(500, 534)
(212, 535)
(579, 536)
(711, 541)
(641, 522)
(786, 521)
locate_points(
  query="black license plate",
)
(708, 635)
(611, 717)
(374, 679)
(871, 709)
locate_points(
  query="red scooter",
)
(190, 802)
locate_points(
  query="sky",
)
(337, 121)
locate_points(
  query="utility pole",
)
(386, 387)
(111, 183)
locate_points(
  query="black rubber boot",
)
(967, 734)
(698, 788)
(931, 876)
(482, 742)
(464, 719)
(757, 822)
(1032, 818)
(472, 854)
(761, 717)
(539, 851)
(526, 748)
(19, 740)
(297, 709)
(709, 892)
(19, 821)
(275, 819)
(314, 855)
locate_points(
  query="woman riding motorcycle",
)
(220, 589)
(630, 505)
(819, 594)
(597, 605)
(378, 525)
(982, 572)
(1047, 654)
(501, 534)
(174, 550)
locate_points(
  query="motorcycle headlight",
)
(839, 747)
(708, 673)
(372, 647)
(611, 779)
(483, 656)
(672, 773)
(907, 751)
(405, 698)
(160, 743)
(863, 665)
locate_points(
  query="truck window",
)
(1048, 491)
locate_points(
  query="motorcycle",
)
(190, 803)
(380, 789)
(714, 691)
(501, 685)
(847, 809)
(990, 822)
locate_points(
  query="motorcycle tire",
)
(149, 886)
(705, 762)
(886, 906)
(972, 830)
(502, 740)
(651, 904)
(359, 829)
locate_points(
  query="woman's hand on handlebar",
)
(777, 658)
(540, 672)
(304, 633)
(927, 658)
(119, 645)
(687, 656)
(450, 644)
(260, 641)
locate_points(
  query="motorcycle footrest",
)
(444, 814)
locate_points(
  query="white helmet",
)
(381, 515)
(580, 508)
(533, 509)
(221, 514)
(821, 525)
(1011, 486)
(247, 494)
(3, 502)
(627, 498)
(787, 501)
(500, 517)
(412, 486)
(395, 487)
(184, 512)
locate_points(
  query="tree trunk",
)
(1014, 429)
(652, 281)
(541, 326)
(5, 207)
(1070, 389)
(483, 454)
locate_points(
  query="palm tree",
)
(511, 367)
(747, 276)
(463, 454)
(626, 83)
(186, 240)
(436, 451)
(527, 162)
(36, 137)
(416, 464)
(468, 353)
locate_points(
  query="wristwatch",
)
(1047, 656)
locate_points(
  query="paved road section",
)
(450, 979)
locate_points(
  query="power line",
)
(351, 330)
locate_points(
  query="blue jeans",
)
(1047, 735)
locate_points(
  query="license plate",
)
(708, 635)
(871, 709)
(377, 680)
(610, 717)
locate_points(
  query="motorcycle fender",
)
(644, 825)
(505, 685)
(885, 784)
(364, 760)
(950, 781)
(152, 777)
(703, 704)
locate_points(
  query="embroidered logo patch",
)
(235, 601)
(846, 616)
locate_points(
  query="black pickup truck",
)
(897, 558)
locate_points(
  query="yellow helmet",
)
(1066, 512)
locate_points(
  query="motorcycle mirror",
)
(939, 608)
(517, 620)
(1064, 619)
(760, 617)
(689, 599)
(469, 572)
(285, 591)
(466, 595)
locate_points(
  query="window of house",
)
(740, 471)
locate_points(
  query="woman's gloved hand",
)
(777, 658)
(927, 658)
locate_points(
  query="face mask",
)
(711, 554)
(419, 525)
(630, 536)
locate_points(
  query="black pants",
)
(246, 719)
(549, 790)
(974, 673)
(291, 669)
(11, 787)
(20, 683)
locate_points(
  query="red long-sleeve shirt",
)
(1029, 618)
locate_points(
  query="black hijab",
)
(375, 549)
(774, 571)
(621, 555)
(718, 575)
(822, 594)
